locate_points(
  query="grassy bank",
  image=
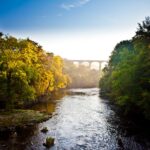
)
(18, 118)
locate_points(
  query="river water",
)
(81, 121)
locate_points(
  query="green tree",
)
(27, 71)
(126, 79)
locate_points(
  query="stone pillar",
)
(90, 63)
(79, 63)
(100, 69)
(100, 66)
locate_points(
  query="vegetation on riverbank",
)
(49, 142)
(126, 78)
(81, 76)
(27, 72)
(20, 118)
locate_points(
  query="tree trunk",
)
(9, 102)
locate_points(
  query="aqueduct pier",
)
(90, 62)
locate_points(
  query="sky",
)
(74, 29)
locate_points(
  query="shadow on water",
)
(19, 139)
(133, 133)
(80, 121)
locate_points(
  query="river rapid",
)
(81, 120)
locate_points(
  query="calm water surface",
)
(81, 121)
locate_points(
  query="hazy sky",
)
(74, 29)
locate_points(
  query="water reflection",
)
(48, 107)
(18, 140)
(50, 103)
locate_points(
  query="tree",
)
(126, 79)
(27, 71)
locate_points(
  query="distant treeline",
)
(27, 72)
(126, 79)
(81, 76)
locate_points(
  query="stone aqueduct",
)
(90, 62)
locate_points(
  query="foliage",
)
(81, 76)
(127, 77)
(44, 130)
(27, 71)
(49, 142)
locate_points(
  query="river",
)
(81, 121)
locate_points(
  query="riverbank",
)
(10, 121)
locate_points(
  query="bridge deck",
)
(100, 61)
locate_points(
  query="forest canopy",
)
(27, 71)
(126, 78)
